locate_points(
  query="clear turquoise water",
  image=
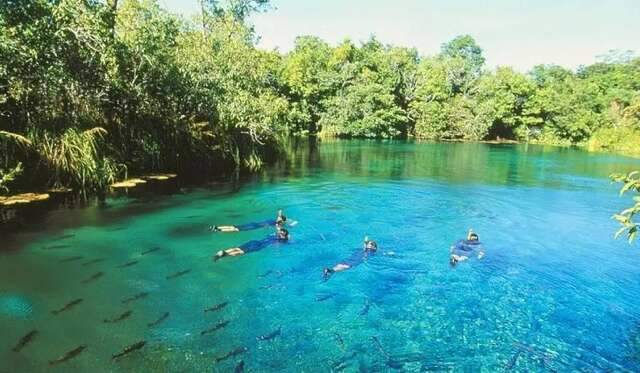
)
(555, 291)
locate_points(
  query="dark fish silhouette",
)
(271, 335)
(129, 349)
(178, 274)
(55, 247)
(93, 277)
(265, 274)
(70, 259)
(128, 264)
(365, 309)
(69, 355)
(125, 315)
(322, 298)
(67, 306)
(64, 237)
(379, 345)
(343, 363)
(93, 261)
(160, 320)
(237, 351)
(514, 359)
(150, 251)
(218, 326)
(217, 307)
(25, 340)
(239, 367)
(141, 295)
(339, 340)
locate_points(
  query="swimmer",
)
(280, 221)
(282, 235)
(369, 248)
(464, 249)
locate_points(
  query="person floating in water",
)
(464, 249)
(280, 221)
(370, 247)
(282, 235)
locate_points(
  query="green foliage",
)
(191, 96)
(8, 176)
(631, 183)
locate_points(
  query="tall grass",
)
(74, 157)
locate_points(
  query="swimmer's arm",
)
(480, 254)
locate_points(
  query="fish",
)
(218, 326)
(69, 355)
(339, 340)
(237, 351)
(265, 274)
(150, 251)
(343, 363)
(70, 259)
(125, 315)
(128, 264)
(379, 345)
(217, 307)
(239, 367)
(55, 247)
(135, 297)
(270, 336)
(93, 261)
(322, 298)
(178, 274)
(365, 309)
(67, 306)
(92, 278)
(27, 338)
(161, 319)
(129, 349)
(514, 359)
(64, 237)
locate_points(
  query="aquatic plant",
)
(631, 182)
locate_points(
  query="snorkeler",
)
(369, 248)
(280, 221)
(282, 235)
(464, 249)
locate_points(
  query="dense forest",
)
(93, 90)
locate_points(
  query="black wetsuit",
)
(358, 258)
(261, 224)
(257, 245)
(466, 247)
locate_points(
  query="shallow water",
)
(554, 292)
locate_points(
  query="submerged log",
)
(129, 183)
(159, 176)
(23, 198)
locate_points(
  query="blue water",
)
(555, 291)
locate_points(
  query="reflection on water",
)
(555, 291)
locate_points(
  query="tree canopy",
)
(91, 90)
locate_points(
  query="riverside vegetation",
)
(91, 90)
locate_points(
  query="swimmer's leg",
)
(236, 251)
(224, 228)
(455, 259)
(327, 272)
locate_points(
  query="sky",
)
(518, 33)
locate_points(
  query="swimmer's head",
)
(370, 245)
(283, 234)
(473, 237)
